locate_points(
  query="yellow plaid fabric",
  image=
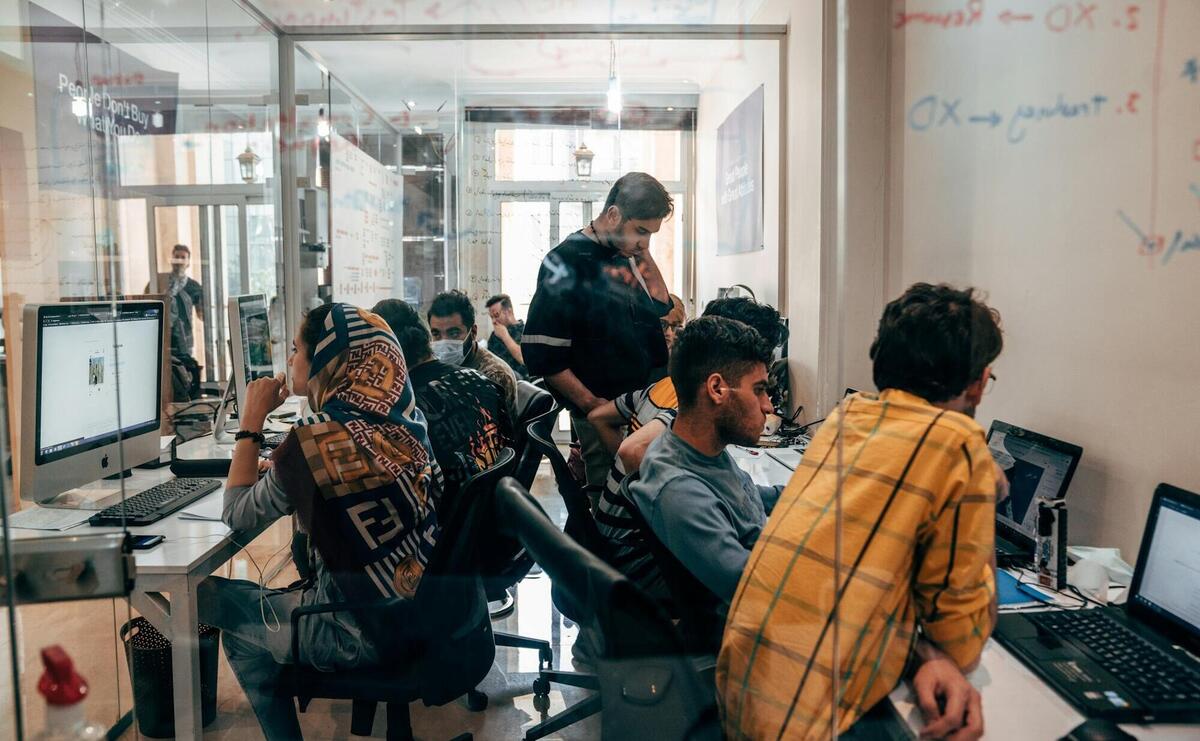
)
(918, 510)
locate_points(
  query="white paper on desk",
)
(164, 443)
(45, 518)
(789, 457)
(757, 471)
(207, 509)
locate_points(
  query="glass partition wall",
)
(138, 142)
(154, 155)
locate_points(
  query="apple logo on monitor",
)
(104, 461)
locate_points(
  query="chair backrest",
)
(537, 407)
(456, 647)
(580, 523)
(647, 681)
(698, 610)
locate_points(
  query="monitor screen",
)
(1170, 583)
(1037, 467)
(84, 352)
(255, 335)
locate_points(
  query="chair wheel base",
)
(477, 701)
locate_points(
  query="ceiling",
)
(389, 74)
(218, 48)
(382, 13)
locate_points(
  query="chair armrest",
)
(307, 610)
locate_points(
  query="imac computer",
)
(90, 402)
(251, 348)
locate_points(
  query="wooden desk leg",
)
(185, 659)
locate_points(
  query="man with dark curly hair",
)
(900, 490)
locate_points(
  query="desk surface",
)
(1017, 704)
(188, 543)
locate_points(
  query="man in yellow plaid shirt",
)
(915, 577)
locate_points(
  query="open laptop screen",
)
(1036, 467)
(1169, 567)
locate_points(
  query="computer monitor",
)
(90, 394)
(1166, 582)
(250, 336)
(1037, 467)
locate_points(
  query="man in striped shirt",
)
(817, 636)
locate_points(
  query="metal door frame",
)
(211, 243)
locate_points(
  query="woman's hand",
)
(263, 396)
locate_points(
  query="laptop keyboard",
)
(1141, 666)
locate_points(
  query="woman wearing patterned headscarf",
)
(359, 475)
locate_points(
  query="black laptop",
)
(1137, 662)
(1037, 467)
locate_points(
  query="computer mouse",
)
(1096, 729)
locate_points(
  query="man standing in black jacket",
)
(593, 329)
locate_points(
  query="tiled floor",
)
(89, 632)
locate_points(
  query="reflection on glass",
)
(570, 218)
(544, 153)
(524, 241)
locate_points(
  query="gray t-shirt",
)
(705, 510)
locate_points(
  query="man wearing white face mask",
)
(456, 341)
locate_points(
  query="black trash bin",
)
(148, 654)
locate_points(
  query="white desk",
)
(192, 550)
(763, 469)
(1017, 704)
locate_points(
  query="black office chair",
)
(581, 527)
(534, 404)
(536, 407)
(451, 649)
(698, 611)
(646, 680)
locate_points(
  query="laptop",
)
(1037, 467)
(1136, 662)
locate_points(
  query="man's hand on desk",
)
(952, 707)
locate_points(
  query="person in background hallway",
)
(456, 342)
(334, 475)
(187, 298)
(505, 342)
(465, 412)
(593, 330)
(918, 502)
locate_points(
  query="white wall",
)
(831, 318)
(734, 81)
(1100, 339)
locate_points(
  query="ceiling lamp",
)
(583, 161)
(614, 82)
(248, 164)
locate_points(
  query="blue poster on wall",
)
(740, 178)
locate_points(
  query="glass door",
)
(228, 250)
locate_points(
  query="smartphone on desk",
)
(144, 542)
